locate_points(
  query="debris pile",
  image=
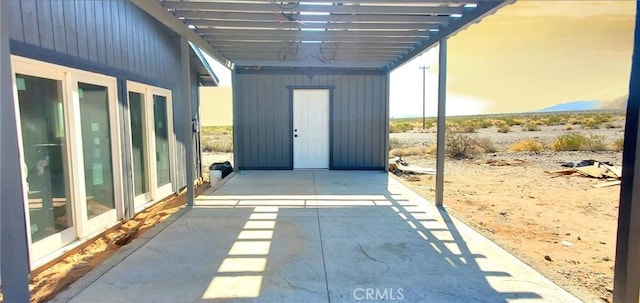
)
(400, 167)
(593, 169)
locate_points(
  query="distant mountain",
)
(573, 106)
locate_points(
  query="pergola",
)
(325, 34)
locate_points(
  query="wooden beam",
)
(283, 17)
(258, 45)
(392, 9)
(304, 25)
(311, 35)
(14, 249)
(214, 40)
(626, 278)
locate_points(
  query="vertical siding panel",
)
(368, 150)
(70, 27)
(30, 22)
(45, 24)
(243, 106)
(109, 31)
(376, 109)
(90, 22)
(345, 132)
(81, 26)
(360, 122)
(271, 120)
(285, 123)
(248, 124)
(262, 97)
(255, 143)
(121, 38)
(130, 32)
(353, 119)
(99, 36)
(16, 31)
(58, 21)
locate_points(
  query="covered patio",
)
(314, 236)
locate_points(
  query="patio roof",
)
(319, 33)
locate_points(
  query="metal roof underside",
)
(324, 33)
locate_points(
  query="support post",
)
(440, 141)
(185, 90)
(424, 69)
(14, 250)
(626, 278)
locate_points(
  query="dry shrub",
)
(487, 145)
(395, 143)
(504, 128)
(531, 127)
(432, 149)
(410, 151)
(569, 127)
(532, 145)
(575, 142)
(460, 146)
(617, 145)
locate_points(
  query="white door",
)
(311, 129)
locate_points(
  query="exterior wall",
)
(263, 116)
(117, 39)
(114, 38)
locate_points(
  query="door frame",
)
(291, 88)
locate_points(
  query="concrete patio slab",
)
(317, 236)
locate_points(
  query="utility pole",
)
(424, 69)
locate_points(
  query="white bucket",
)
(215, 176)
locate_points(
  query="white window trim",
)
(154, 193)
(82, 228)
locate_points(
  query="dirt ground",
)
(561, 226)
(46, 284)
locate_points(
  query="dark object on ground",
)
(225, 167)
(568, 164)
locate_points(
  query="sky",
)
(529, 55)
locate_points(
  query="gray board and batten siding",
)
(263, 116)
(114, 38)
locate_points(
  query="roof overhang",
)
(206, 75)
(319, 33)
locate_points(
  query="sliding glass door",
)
(151, 141)
(45, 157)
(70, 151)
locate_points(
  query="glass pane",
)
(162, 139)
(96, 147)
(139, 148)
(45, 155)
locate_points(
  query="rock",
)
(566, 243)
(548, 258)
(503, 213)
(413, 179)
(567, 234)
(579, 239)
(606, 258)
(603, 243)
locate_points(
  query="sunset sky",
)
(528, 56)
